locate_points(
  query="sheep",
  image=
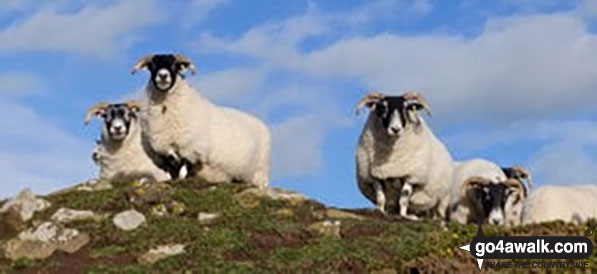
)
(574, 204)
(514, 204)
(185, 130)
(481, 193)
(397, 150)
(119, 152)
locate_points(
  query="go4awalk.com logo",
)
(531, 247)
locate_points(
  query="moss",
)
(107, 251)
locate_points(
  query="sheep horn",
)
(186, 62)
(134, 105)
(372, 97)
(475, 180)
(413, 95)
(525, 174)
(142, 63)
(518, 184)
(95, 110)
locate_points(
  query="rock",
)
(66, 215)
(46, 232)
(340, 214)
(128, 220)
(17, 248)
(161, 252)
(327, 228)
(95, 185)
(284, 212)
(11, 223)
(207, 218)
(44, 240)
(26, 204)
(71, 240)
(249, 198)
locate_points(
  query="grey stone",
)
(128, 220)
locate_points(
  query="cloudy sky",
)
(513, 81)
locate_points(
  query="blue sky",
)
(511, 80)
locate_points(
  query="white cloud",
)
(43, 162)
(231, 85)
(565, 154)
(198, 10)
(92, 30)
(20, 84)
(565, 162)
(518, 67)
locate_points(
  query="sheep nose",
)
(394, 130)
(494, 221)
(118, 128)
(162, 75)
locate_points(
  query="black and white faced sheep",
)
(397, 151)
(119, 152)
(482, 193)
(184, 129)
(515, 203)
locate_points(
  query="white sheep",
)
(119, 153)
(184, 129)
(515, 203)
(475, 192)
(565, 203)
(397, 150)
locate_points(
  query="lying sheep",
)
(397, 150)
(119, 152)
(481, 193)
(566, 203)
(184, 129)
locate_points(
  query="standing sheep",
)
(184, 129)
(119, 152)
(397, 150)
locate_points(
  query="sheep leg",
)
(405, 194)
(172, 166)
(380, 197)
(190, 168)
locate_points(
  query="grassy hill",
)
(253, 231)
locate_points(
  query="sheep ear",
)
(142, 64)
(370, 101)
(135, 106)
(185, 63)
(96, 110)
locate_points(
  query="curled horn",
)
(372, 97)
(186, 62)
(475, 180)
(518, 184)
(524, 174)
(134, 105)
(142, 63)
(413, 95)
(95, 110)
